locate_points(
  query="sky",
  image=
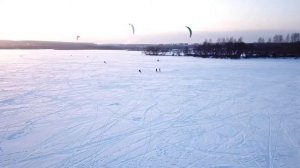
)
(155, 21)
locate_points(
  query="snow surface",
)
(70, 109)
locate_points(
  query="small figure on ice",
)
(140, 71)
(104, 62)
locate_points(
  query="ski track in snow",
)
(69, 109)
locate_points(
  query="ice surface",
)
(70, 109)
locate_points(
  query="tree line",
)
(275, 47)
(278, 38)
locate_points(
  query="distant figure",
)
(140, 71)
(158, 69)
(104, 62)
(157, 60)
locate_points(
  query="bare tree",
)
(261, 40)
(278, 38)
(295, 37)
(288, 38)
(240, 40)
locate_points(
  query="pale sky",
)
(156, 21)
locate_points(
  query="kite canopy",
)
(132, 27)
(190, 31)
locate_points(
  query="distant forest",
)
(9, 44)
(278, 46)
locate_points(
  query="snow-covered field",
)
(70, 109)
